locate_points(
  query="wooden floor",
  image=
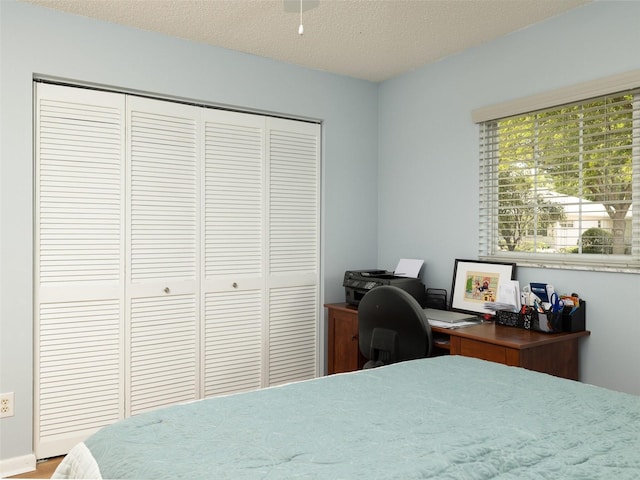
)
(44, 469)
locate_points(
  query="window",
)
(560, 186)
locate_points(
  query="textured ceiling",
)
(367, 39)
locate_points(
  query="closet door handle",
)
(167, 290)
(234, 285)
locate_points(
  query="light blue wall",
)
(39, 41)
(428, 163)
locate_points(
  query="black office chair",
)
(392, 327)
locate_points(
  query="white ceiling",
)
(367, 39)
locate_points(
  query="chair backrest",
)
(392, 327)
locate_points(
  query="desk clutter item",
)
(436, 298)
(566, 319)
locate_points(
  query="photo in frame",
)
(476, 282)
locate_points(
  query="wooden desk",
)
(556, 353)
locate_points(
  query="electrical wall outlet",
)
(6, 405)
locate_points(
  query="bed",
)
(447, 417)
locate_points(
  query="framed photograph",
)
(476, 282)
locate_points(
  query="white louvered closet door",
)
(78, 265)
(293, 156)
(176, 257)
(162, 293)
(233, 266)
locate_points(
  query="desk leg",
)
(455, 345)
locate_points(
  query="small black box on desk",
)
(569, 319)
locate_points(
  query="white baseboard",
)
(17, 465)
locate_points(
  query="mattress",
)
(447, 417)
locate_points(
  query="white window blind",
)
(560, 186)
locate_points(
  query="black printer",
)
(358, 282)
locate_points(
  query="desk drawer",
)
(483, 351)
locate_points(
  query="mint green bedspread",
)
(445, 418)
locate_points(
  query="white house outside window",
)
(561, 185)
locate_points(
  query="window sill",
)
(596, 264)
